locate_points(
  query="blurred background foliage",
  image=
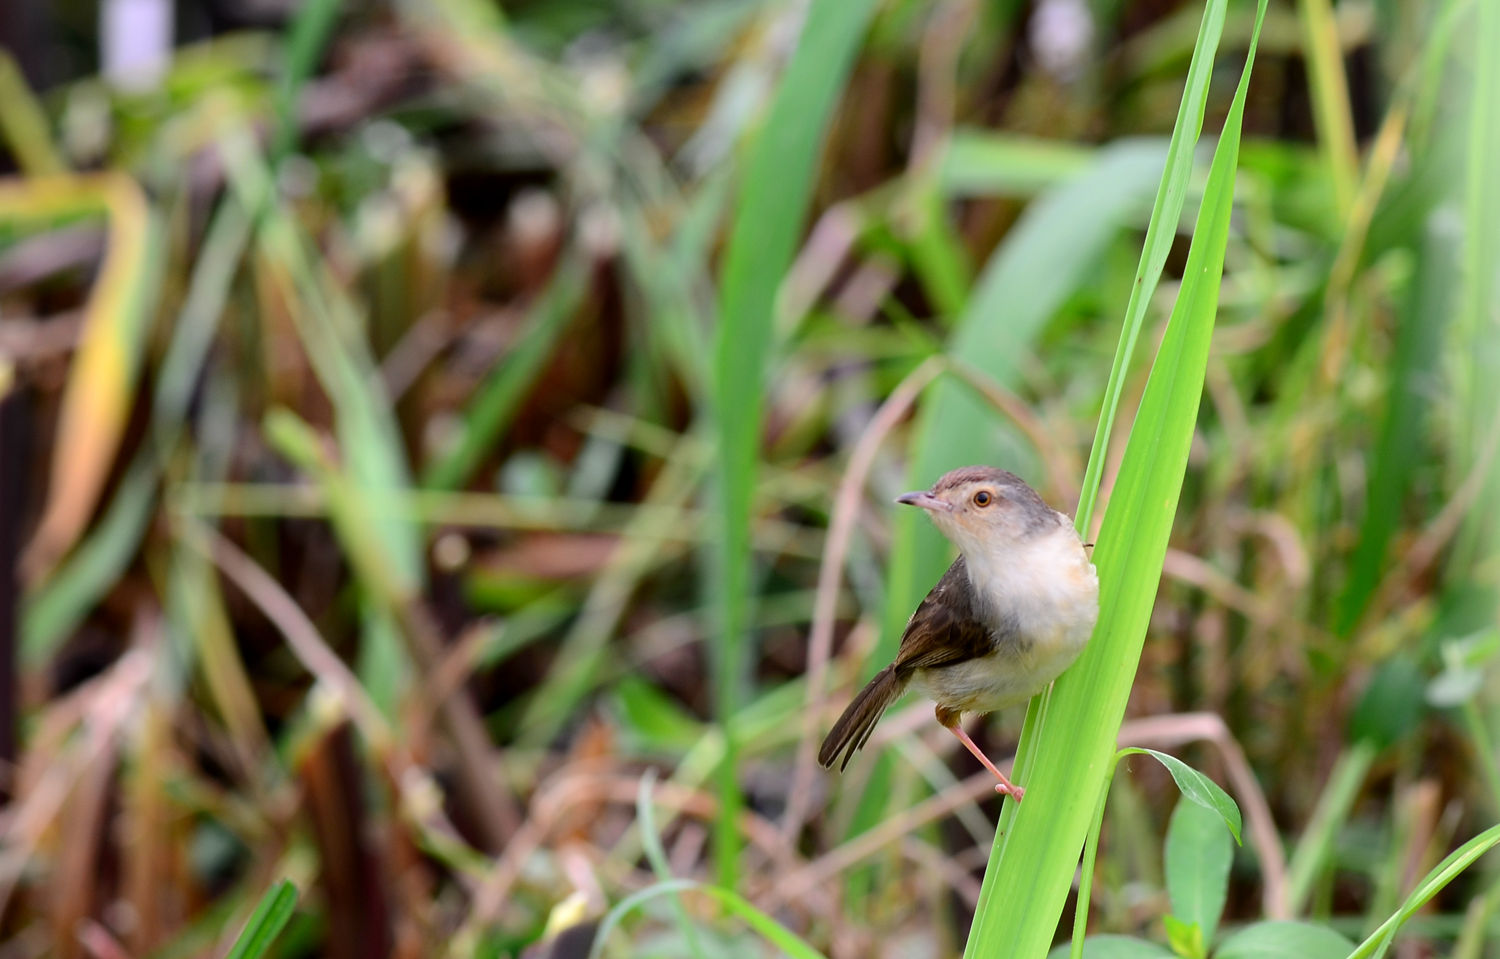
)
(421, 421)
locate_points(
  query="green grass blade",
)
(1415, 363)
(23, 124)
(1330, 94)
(1160, 232)
(51, 613)
(331, 334)
(1443, 873)
(270, 917)
(768, 212)
(1333, 809)
(774, 932)
(1034, 859)
(91, 570)
(581, 652)
(938, 257)
(370, 445)
(669, 276)
(498, 398)
(1197, 857)
(1479, 386)
(656, 854)
(1075, 949)
(305, 43)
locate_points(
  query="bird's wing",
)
(946, 628)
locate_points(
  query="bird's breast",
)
(1046, 592)
(1043, 601)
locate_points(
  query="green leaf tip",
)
(1197, 787)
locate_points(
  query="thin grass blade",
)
(101, 380)
(61, 602)
(1443, 873)
(266, 922)
(772, 931)
(768, 213)
(495, 403)
(1160, 232)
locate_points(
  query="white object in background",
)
(1062, 32)
(135, 37)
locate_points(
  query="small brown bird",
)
(1012, 612)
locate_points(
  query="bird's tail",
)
(854, 727)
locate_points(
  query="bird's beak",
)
(925, 500)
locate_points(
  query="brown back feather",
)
(947, 626)
(945, 629)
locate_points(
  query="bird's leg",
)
(1005, 787)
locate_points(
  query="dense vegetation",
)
(446, 462)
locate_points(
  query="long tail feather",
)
(858, 721)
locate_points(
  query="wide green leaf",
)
(736, 905)
(1198, 855)
(496, 401)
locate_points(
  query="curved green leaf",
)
(1197, 787)
(1198, 856)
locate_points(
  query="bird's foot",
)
(1004, 787)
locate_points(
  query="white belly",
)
(1001, 680)
(1053, 594)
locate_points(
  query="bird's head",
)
(981, 508)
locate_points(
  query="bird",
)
(1012, 612)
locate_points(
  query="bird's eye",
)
(983, 498)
